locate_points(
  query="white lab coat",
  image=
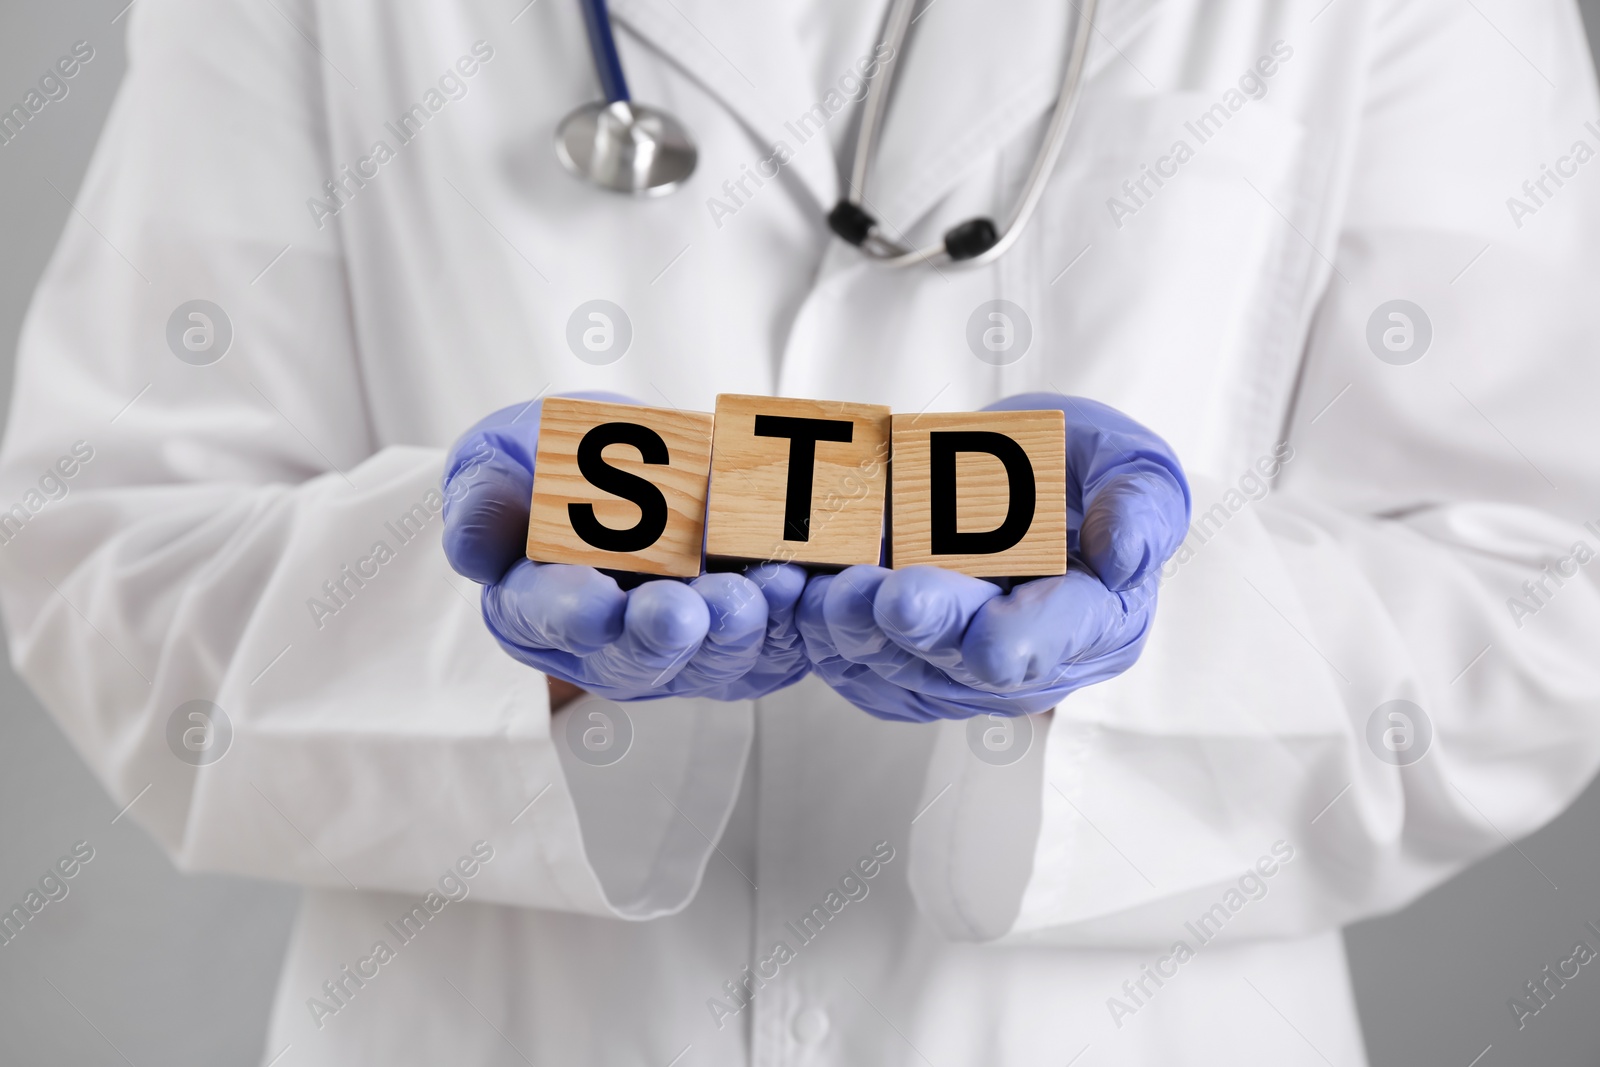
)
(1229, 311)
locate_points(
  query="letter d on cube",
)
(983, 493)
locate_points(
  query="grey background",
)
(140, 965)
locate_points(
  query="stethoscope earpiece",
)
(969, 240)
(976, 241)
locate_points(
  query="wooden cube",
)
(620, 487)
(983, 493)
(798, 480)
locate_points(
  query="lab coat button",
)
(810, 1026)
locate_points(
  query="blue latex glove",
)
(924, 643)
(727, 636)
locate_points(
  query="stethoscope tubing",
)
(887, 252)
(603, 46)
(896, 26)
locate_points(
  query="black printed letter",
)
(803, 435)
(600, 474)
(943, 445)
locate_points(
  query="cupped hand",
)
(924, 643)
(727, 636)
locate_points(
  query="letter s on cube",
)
(983, 493)
(620, 487)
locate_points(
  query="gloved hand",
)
(727, 636)
(925, 643)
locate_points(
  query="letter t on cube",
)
(799, 481)
(619, 486)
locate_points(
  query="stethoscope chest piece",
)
(626, 147)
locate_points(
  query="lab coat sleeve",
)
(1433, 536)
(182, 538)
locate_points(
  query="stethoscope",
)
(630, 148)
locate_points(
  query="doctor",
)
(1332, 257)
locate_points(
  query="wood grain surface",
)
(982, 493)
(558, 482)
(750, 479)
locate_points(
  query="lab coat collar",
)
(745, 54)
